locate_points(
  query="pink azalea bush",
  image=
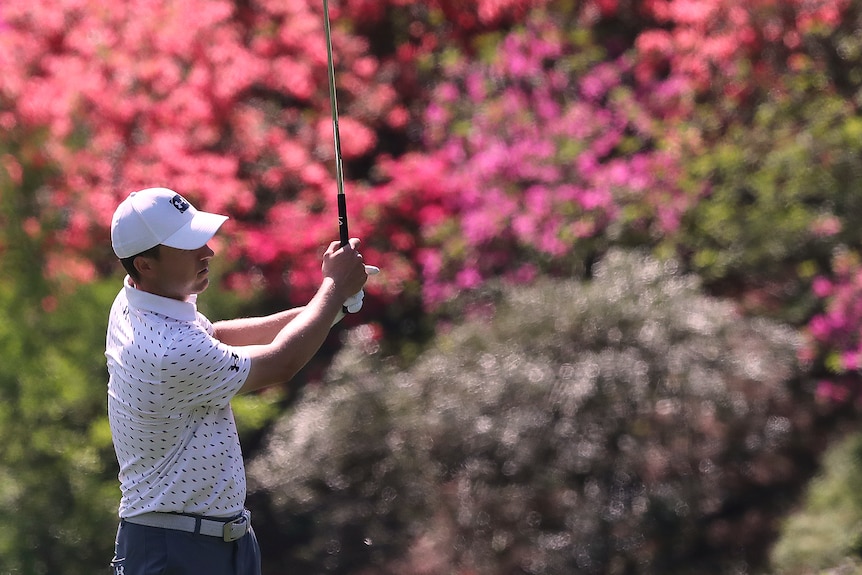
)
(226, 103)
(490, 139)
(531, 174)
(834, 332)
(229, 104)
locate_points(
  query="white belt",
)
(227, 529)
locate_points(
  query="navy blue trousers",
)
(142, 550)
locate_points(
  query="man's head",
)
(155, 217)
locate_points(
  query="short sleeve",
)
(205, 323)
(199, 370)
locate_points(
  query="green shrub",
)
(58, 486)
(825, 532)
(58, 473)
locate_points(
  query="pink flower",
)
(819, 328)
(829, 391)
(468, 278)
(479, 227)
(591, 199)
(850, 360)
(655, 41)
(821, 287)
(826, 226)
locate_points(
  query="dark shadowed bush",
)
(624, 425)
(345, 480)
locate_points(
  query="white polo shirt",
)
(169, 391)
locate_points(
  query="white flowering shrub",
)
(627, 424)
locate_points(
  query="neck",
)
(155, 290)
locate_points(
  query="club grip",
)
(344, 235)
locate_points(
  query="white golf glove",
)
(354, 303)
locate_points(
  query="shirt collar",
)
(181, 310)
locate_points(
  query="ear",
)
(143, 264)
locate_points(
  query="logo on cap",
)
(180, 203)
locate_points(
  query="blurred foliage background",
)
(629, 424)
(617, 328)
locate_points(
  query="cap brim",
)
(195, 234)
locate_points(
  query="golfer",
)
(172, 374)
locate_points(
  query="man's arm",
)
(254, 330)
(300, 337)
(262, 330)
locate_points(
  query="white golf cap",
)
(156, 216)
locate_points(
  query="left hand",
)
(354, 303)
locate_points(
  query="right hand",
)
(344, 265)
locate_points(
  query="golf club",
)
(353, 304)
(339, 171)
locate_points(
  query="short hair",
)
(129, 262)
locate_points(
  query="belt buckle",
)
(235, 529)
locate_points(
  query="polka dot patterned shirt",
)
(169, 390)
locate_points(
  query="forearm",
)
(254, 330)
(297, 342)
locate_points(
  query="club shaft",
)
(344, 235)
